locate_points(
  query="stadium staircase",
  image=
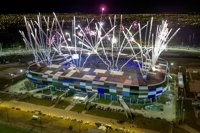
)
(59, 97)
(88, 102)
(40, 89)
(126, 108)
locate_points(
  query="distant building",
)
(194, 80)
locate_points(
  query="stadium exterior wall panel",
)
(140, 92)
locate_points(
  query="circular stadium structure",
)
(102, 57)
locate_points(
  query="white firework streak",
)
(40, 40)
(107, 42)
(163, 37)
(150, 54)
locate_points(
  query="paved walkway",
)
(69, 107)
(73, 115)
(168, 113)
(17, 87)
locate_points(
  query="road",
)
(85, 117)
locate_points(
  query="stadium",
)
(109, 62)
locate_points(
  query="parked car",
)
(35, 117)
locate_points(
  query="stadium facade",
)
(107, 84)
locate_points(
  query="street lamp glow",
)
(11, 74)
(21, 70)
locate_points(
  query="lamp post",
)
(102, 10)
(179, 68)
(181, 110)
(1, 46)
(183, 115)
(182, 102)
(11, 75)
(170, 66)
(7, 116)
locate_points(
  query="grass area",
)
(68, 96)
(106, 114)
(102, 101)
(115, 103)
(136, 106)
(4, 128)
(28, 85)
(47, 92)
(4, 82)
(62, 104)
(164, 98)
(23, 119)
(6, 97)
(78, 107)
(16, 118)
(159, 125)
(58, 93)
(38, 101)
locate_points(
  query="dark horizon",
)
(93, 6)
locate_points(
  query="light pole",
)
(179, 68)
(11, 75)
(102, 10)
(181, 111)
(1, 46)
(7, 117)
(183, 115)
(171, 65)
(182, 102)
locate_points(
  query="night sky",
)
(93, 6)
